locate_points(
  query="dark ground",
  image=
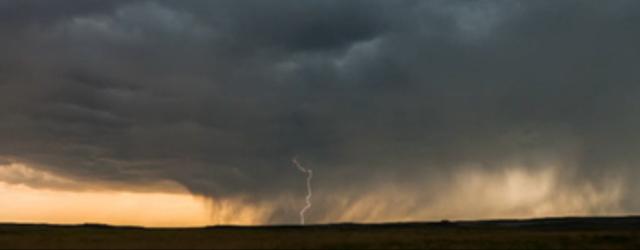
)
(553, 233)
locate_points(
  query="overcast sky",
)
(403, 109)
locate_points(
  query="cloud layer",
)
(384, 100)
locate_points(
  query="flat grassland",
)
(548, 233)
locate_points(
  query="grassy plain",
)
(552, 233)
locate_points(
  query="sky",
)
(186, 113)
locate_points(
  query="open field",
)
(552, 233)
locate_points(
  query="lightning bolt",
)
(309, 173)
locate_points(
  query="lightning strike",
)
(309, 173)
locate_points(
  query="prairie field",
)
(551, 233)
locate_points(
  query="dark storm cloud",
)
(219, 95)
(17, 14)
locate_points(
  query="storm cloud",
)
(403, 109)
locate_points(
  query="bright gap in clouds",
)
(28, 205)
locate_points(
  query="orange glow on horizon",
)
(30, 195)
(28, 205)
